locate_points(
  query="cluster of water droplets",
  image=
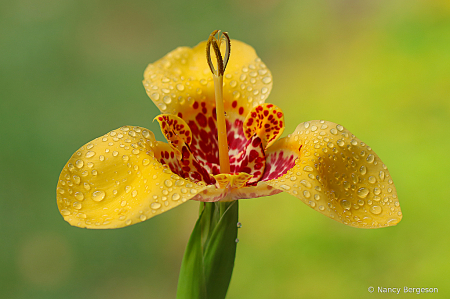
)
(115, 181)
(341, 177)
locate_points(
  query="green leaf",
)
(209, 258)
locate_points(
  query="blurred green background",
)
(71, 71)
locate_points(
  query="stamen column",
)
(218, 88)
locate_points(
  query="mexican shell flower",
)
(223, 145)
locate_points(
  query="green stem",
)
(209, 257)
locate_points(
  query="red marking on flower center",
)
(201, 119)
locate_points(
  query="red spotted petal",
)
(266, 121)
(250, 160)
(178, 156)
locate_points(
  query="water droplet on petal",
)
(175, 196)
(90, 154)
(376, 210)
(79, 163)
(98, 195)
(362, 192)
(79, 196)
(65, 212)
(168, 183)
(143, 217)
(345, 204)
(308, 168)
(363, 170)
(155, 205)
(285, 187)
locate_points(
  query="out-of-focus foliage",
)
(71, 71)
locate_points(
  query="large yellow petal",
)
(183, 76)
(339, 176)
(115, 181)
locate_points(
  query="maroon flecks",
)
(277, 164)
(250, 160)
(262, 122)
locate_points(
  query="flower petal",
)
(178, 134)
(183, 76)
(181, 83)
(266, 121)
(115, 181)
(339, 176)
(250, 160)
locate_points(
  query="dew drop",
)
(345, 204)
(370, 158)
(267, 80)
(98, 195)
(79, 163)
(134, 193)
(376, 210)
(77, 205)
(87, 186)
(376, 191)
(155, 205)
(125, 158)
(285, 187)
(143, 217)
(363, 170)
(308, 168)
(381, 175)
(79, 196)
(65, 212)
(76, 179)
(306, 194)
(305, 183)
(340, 128)
(362, 192)
(90, 154)
(168, 183)
(372, 179)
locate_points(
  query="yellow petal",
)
(183, 76)
(115, 180)
(339, 176)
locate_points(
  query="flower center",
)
(224, 160)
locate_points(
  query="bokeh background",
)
(71, 71)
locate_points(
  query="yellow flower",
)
(126, 176)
